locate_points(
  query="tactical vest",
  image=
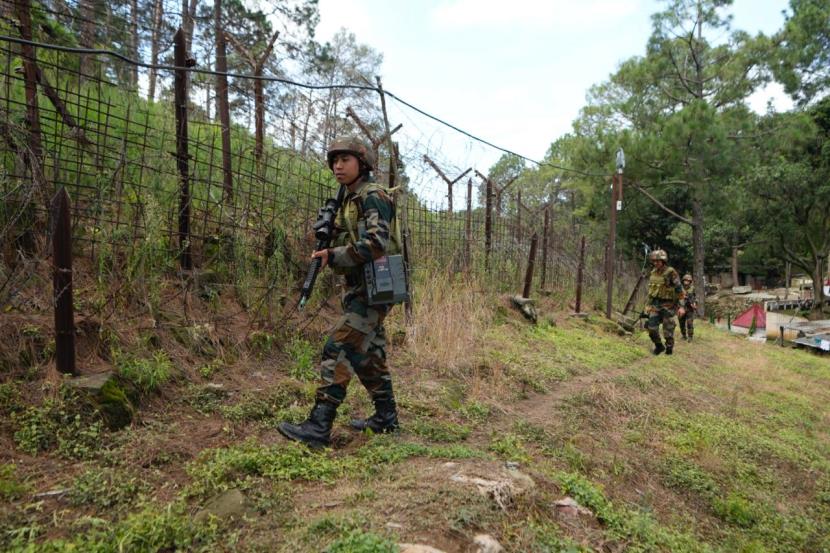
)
(660, 285)
(352, 213)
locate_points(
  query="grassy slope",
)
(723, 447)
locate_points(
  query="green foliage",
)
(510, 447)
(57, 424)
(10, 487)
(439, 431)
(736, 510)
(146, 374)
(105, 489)
(358, 541)
(303, 356)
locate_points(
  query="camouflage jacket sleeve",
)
(378, 212)
(673, 280)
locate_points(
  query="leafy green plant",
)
(55, 425)
(359, 541)
(10, 487)
(302, 355)
(439, 431)
(105, 489)
(146, 374)
(510, 447)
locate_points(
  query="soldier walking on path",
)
(666, 297)
(366, 230)
(687, 320)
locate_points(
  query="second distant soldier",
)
(666, 298)
(687, 320)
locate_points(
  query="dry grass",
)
(447, 324)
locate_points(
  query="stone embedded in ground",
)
(569, 507)
(106, 396)
(510, 484)
(228, 505)
(417, 548)
(487, 544)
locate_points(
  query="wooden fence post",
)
(62, 284)
(545, 231)
(488, 225)
(579, 270)
(531, 260)
(468, 226)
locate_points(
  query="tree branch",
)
(660, 204)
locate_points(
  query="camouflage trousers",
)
(657, 315)
(356, 347)
(687, 324)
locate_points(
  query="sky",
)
(513, 73)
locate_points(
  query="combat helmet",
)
(658, 255)
(351, 145)
(687, 278)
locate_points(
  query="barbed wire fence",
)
(156, 194)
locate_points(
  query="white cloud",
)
(354, 15)
(536, 14)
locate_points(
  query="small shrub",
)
(736, 510)
(510, 447)
(10, 487)
(439, 431)
(54, 425)
(147, 375)
(358, 541)
(104, 489)
(303, 355)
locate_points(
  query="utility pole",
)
(616, 205)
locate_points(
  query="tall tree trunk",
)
(158, 11)
(222, 105)
(86, 36)
(188, 22)
(134, 43)
(698, 250)
(735, 266)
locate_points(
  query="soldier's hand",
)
(681, 312)
(324, 257)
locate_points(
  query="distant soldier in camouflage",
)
(665, 298)
(687, 320)
(365, 230)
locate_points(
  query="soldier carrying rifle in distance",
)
(666, 297)
(687, 320)
(364, 232)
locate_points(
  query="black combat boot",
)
(658, 348)
(384, 420)
(315, 432)
(669, 350)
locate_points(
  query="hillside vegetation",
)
(722, 447)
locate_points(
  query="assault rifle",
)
(323, 232)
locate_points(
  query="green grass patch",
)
(439, 431)
(10, 486)
(146, 374)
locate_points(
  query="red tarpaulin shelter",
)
(756, 310)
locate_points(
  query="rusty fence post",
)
(609, 259)
(545, 232)
(531, 260)
(468, 226)
(62, 284)
(488, 224)
(182, 157)
(580, 268)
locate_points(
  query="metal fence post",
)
(488, 224)
(181, 100)
(62, 284)
(468, 226)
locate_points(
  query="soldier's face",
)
(346, 168)
(658, 263)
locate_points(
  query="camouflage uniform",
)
(364, 230)
(687, 321)
(357, 345)
(665, 295)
